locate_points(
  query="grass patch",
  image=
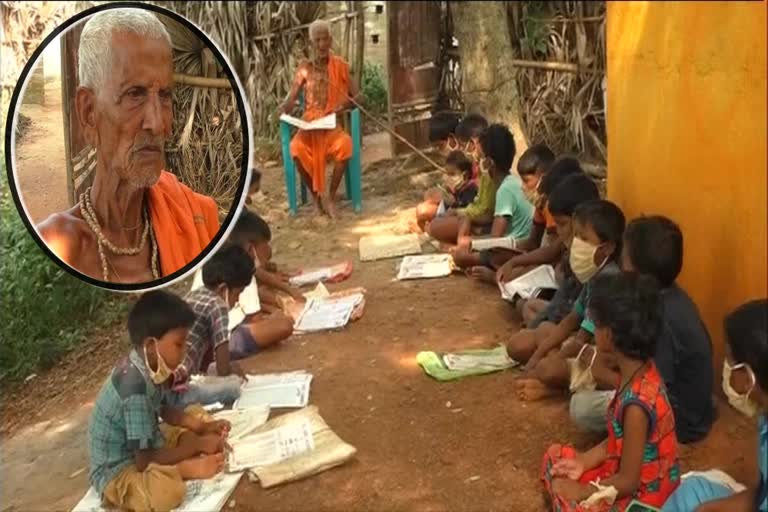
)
(45, 311)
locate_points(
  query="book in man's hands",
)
(503, 242)
(324, 123)
(538, 283)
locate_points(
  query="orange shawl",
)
(184, 222)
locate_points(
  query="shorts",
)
(241, 343)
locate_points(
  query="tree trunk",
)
(488, 76)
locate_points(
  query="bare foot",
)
(319, 206)
(329, 207)
(532, 390)
(200, 468)
(483, 274)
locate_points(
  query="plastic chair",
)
(352, 176)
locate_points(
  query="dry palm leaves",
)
(564, 110)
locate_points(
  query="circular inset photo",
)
(127, 146)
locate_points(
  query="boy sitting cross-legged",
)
(133, 465)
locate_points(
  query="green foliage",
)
(44, 311)
(536, 30)
(374, 88)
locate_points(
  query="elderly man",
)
(327, 90)
(136, 223)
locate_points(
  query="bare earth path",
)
(422, 445)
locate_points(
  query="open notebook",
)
(531, 284)
(275, 390)
(324, 123)
(425, 266)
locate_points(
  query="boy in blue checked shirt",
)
(133, 464)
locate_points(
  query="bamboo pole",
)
(298, 28)
(202, 81)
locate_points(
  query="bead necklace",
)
(89, 215)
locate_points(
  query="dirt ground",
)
(40, 157)
(421, 445)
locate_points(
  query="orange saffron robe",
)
(184, 222)
(313, 148)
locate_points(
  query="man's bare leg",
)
(339, 169)
(307, 179)
(444, 229)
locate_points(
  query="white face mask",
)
(582, 260)
(740, 402)
(582, 378)
(163, 372)
(532, 195)
(453, 182)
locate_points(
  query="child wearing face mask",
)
(745, 383)
(638, 462)
(654, 246)
(597, 229)
(459, 190)
(270, 325)
(532, 251)
(135, 463)
(225, 276)
(570, 192)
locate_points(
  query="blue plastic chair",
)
(352, 177)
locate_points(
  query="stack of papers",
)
(530, 284)
(244, 421)
(504, 242)
(389, 246)
(272, 446)
(315, 276)
(275, 390)
(425, 266)
(322, 314)
(324, 123)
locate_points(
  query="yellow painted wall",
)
(687, 138)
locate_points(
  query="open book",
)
(271, 446)
(324, 123)
(425, 266)
(531, 284)
(275, 390)
(504, 242)
(327, 313)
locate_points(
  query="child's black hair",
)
(746, 330)
(442, 125)
(628, 305)
(231, 266)
(538, 158)
(499, 145)
(155, 314)
(250, 227)
(655, 246)
(460, 161)
(570, 193)
(561, 169)
(606, 220)
(472, 126)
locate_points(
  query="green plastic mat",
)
(433, 365)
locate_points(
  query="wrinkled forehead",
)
(139, 61)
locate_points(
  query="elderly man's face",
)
(132, 116)
(322, 42)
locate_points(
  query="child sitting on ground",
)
(532, 167)
(478, 215)
(745, 383)
(639, 459)
(512, 212)
(458, 191)
(133, 464)
(442, 132)
(598, 227)
(270, 325)
(225, 276)
(654, 246)
(531, 252)
(561, 203)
